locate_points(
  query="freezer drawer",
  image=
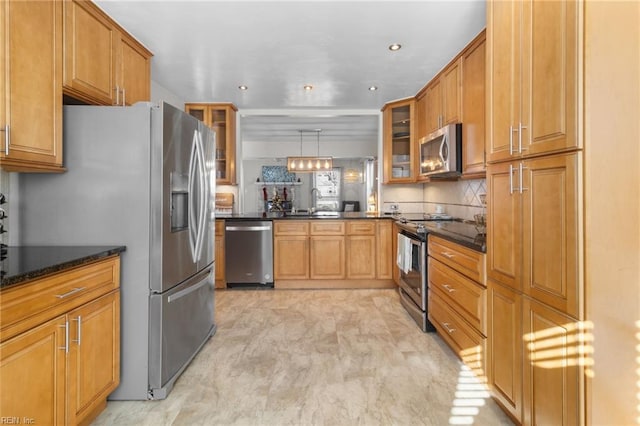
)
(180, 322)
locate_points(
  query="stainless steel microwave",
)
(441, 152)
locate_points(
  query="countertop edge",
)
(103, 252)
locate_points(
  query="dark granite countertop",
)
(462, 233)
(25, 263)
(280, 215)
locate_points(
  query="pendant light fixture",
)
(309, 164)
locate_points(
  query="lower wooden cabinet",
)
(505, 348)
(553, 366)
(333, 253)
(219, 252)
(61, 368)
(327, 255)
(536, 357)
(385, 253)
(291, 257)
(94, 355)
(33, 367)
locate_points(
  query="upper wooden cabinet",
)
(473, 108)
(443, 98)
(103, 64)
(532, 54)
(221, 117)
(134, 71)
(31, 89)
(399, 149)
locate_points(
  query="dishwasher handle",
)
(248, 228)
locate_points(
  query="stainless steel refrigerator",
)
(140, 176)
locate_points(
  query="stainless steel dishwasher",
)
(249, 253)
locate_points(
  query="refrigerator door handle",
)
(191, 215)
(201, 197)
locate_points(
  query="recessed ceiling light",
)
(242, 87)
(373, 88)
(394, 47)
(308, 87)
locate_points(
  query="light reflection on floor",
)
(471, 389)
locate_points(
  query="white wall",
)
(612, 209)
(161, 93)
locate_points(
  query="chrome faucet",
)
(313, 200)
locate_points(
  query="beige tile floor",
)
(316, 357)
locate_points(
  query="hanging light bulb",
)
(310, 165)
(318, 164)
(326, 164)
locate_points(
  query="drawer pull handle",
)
(448, 255)
(449, 288)
(446, 326)
(79, 319)
(66, 337)
(69, 293)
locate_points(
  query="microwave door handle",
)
(442, 145)
(191, 215)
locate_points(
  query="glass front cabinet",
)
(221, 117)
(399, 150)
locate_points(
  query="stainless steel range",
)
(412, 257)
(412, 261)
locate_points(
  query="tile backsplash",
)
(459, 199)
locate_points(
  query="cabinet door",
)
(94, 356)
(222, 120)
(399, 149)
(361, 257)
(327, 257)
(553, 372)
(291, 257)
(421, 116)
(31, 67)
(90, 54)
(550, 51)
(219, 252)
(451, 95)
(33, 371)
(434, 106)
(550, 217)
(505, 347)
(504, 222)
(134, 69)
(199, 111)
(384, 250)
(473, 109)
(503, 82)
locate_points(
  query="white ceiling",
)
(203, 50)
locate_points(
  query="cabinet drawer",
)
(28, 305)
(466, 342)
(464, 260)
(361, 227)
(323, 227)
(290, 227)
(465, 296)
(219, 228)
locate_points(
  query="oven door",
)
(414, 280)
